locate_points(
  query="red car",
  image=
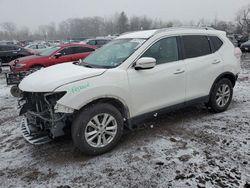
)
(52, 56)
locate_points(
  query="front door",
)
(162, 86)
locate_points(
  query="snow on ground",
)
(186, 148)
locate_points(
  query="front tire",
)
(16, 92)
(221, 95)
(97, 129)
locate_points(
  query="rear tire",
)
(221, 95)
(97, 129)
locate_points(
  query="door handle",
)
(179, 71)
(216, 62)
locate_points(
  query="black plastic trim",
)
(154, 114)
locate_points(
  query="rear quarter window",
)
(196, 46)
(216, 42)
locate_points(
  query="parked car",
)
(245, 47)
(52, 56)
(76, 39)
(1, 67)
(96, 42)
(242, 39)
(12, 52)
(36, 48)
(137, 76)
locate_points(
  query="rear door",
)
(203, 65)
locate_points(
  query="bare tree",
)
(117, 24)
(135, 23)
(23, 34)
(64, 30)
(243, 19)
(9, 30)
(122, 23)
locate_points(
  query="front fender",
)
(86, 91)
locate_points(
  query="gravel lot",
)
(187, 148)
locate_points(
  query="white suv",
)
(136, 76)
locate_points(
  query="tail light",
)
(237, 53)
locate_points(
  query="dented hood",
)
(48, 79)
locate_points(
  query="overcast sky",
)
(32, 13)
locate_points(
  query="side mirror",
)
(145, 63)
(57, 55)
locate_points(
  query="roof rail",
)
(183, 27)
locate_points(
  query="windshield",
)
(113, 54)
(49, 51)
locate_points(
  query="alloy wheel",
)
(223, 95)
(101, 130)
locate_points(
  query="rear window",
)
(217, 43)
(196, 46)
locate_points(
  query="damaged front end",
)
(41, 123)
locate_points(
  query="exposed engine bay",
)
(41, 124)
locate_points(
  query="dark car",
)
(245, 47)
(1, 67)
(96, 42)
(51, 56)
(11, 52)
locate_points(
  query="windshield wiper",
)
(86, 64)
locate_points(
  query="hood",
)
(31, 57)
(48, 79)
(28, 58)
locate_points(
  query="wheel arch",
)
(115, 101)
(228, 75)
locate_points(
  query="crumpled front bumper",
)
(32, 135)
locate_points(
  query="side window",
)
(164, 51)
(77, 50)
(41, 46)
(33, 47)
(92, 42)
(10, 48)
(66, 51)
(102, 42)
(217, 43)
(196, 46)
(99, 42)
